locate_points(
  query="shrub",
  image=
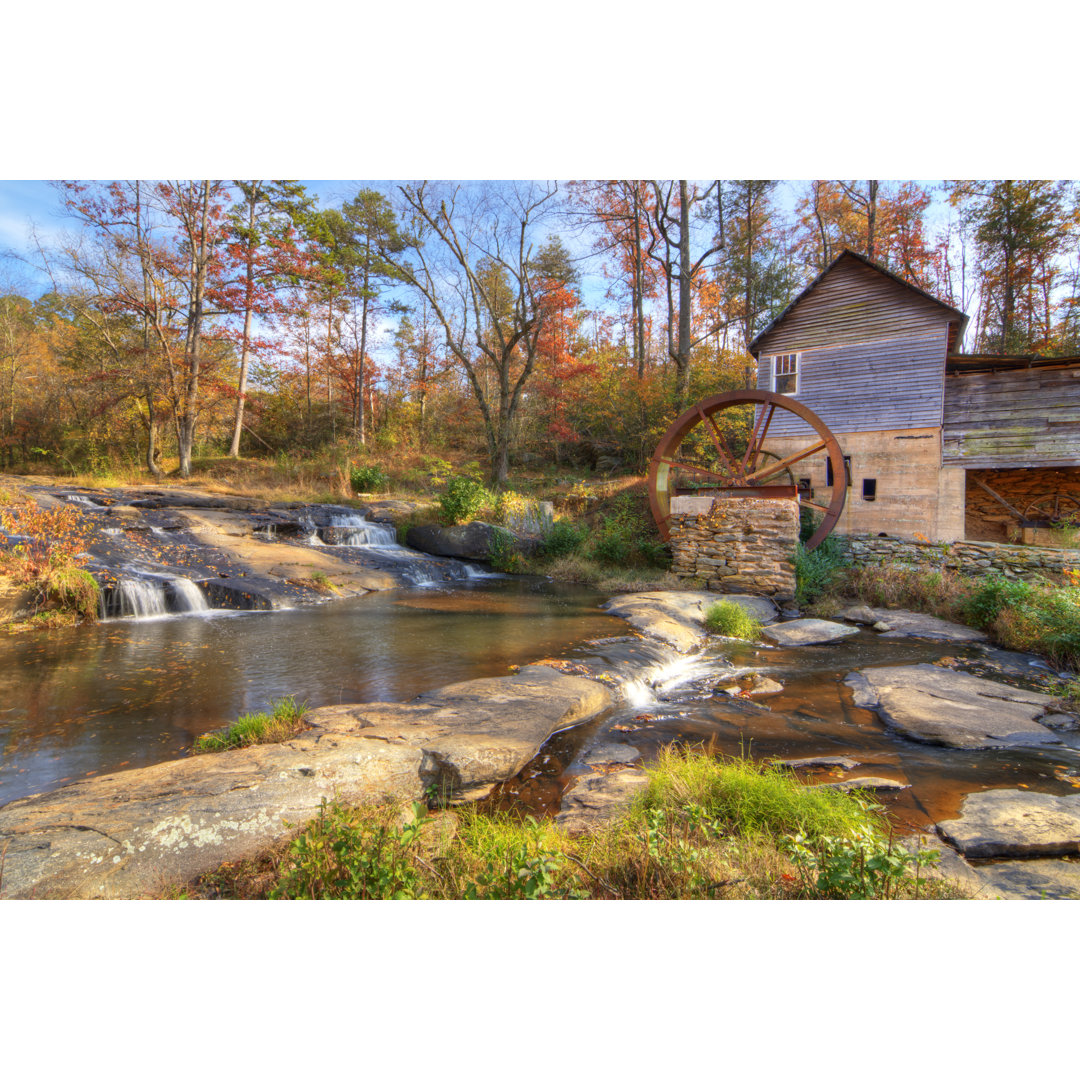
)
(504, 555)
(73, 589)
(563, 538)
(728, 618)
(284, 720)
(346, 854)
(816, 570)
(462, 500)
(368, 478)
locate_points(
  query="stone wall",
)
(737, 545)
(963, 556)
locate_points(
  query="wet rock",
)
(761, 684)
(807, 632)
(677, 618)
(1060, 721)
(131, 833)
(902, 623)
(612, 754)
(936, 705)
(1011, 823)
(1032, 879)
(859, 613)
(472, 541)
(596, 800)
(867, 783)
(881, 627)
(820, 762)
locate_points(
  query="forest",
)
(542, 326)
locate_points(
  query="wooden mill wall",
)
(1012, 419)
(872, 353)
(868, 386)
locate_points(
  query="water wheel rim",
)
(662, 463)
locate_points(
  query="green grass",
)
(284, 720)
(705, 827)
(728, 618)
(817, 571)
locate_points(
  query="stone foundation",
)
(736, 545)
(964, 557)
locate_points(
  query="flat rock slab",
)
(840, 762)
(677, 618)
(612, 754)
(807, 632)
(867, 783)
(899, 623)
(132, 833)
(596, 800)
(1009, 823)
(936, 705)
(1032, 879)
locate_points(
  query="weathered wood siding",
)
(876, 385)
(1012, 419)
(854, 303)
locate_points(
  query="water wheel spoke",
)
(697, 469)
(816, 506)
(718, 442)
(784, 463)
(757, 440)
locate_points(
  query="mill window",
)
(786, 373)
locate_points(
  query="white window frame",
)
(797, 358)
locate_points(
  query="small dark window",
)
(804, 485)
(829, 470)
(869, 490)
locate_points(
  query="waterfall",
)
(151, 596)
(350, 529)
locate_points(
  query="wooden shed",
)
(939, 445)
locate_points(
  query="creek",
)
(174, 658)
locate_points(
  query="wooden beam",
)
(990, 491)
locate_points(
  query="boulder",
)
(132, 833)
(677, 617)
(472, 541)
(807, 632)
(936, 705)
(1010, 823)
(596, 800)
(612, 754)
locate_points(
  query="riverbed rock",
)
(762, 684)
(132, 833)
(473, 541)
(837, 762)
(868, 783)
(677, 617)
(596, 800)
(1011, 823)
(900, 623)
(948, 708)
(807, 632)
(612, 754)
(1031, 879)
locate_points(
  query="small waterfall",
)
(151, 596)
(187, 595)
(350, 529)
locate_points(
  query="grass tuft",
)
(284, 720)
(733, 621)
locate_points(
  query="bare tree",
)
(471, 262)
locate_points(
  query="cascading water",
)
(151, 596)
(350, 529)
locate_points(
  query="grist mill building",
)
(940, 445)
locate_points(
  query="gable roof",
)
(848, 254)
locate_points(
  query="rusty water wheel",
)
(685, 462)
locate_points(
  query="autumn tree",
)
(262, 247)
(1020, 227)
(622, 210)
